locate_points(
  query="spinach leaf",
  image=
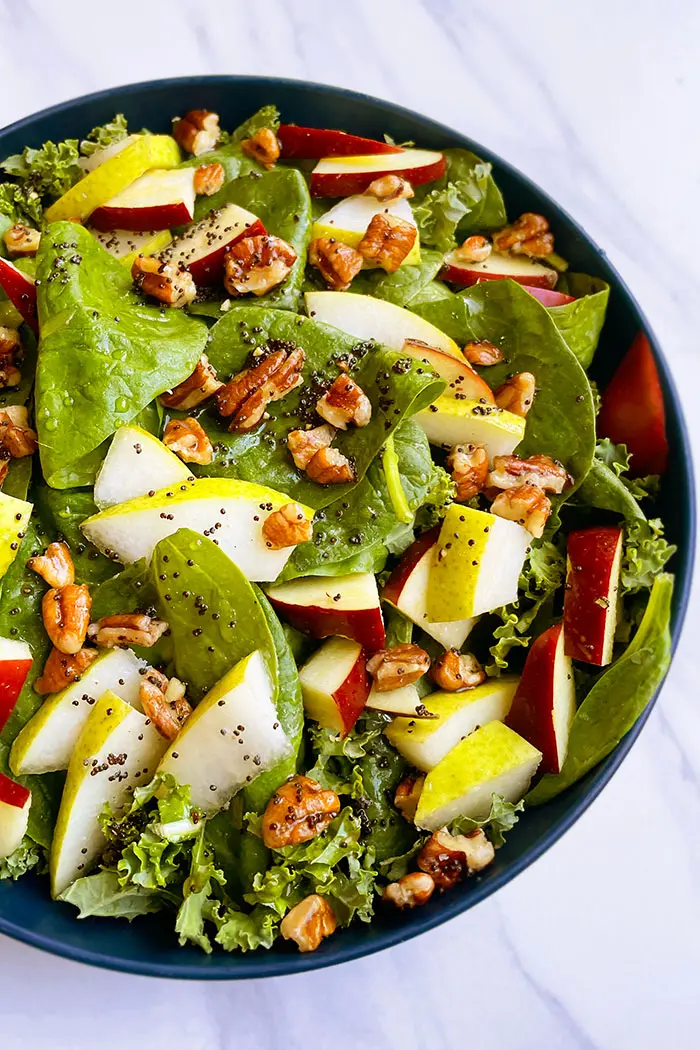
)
(62, 510)
(18, 477)
(465, 200)
(618, 697)
(604, 489)
(105, 354)
(581, 322)
(431, 293)
(401, 287)
(132, 590)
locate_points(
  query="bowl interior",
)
(148, 946)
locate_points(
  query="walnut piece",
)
(389, 188)
(308, 922)
(127, 629)
(263, 146)
(62, 669)
(198, 131)
(526, 504)
(387, 241)
(202, 384)
(517, 393)
(66, 614)
(298, 811)
(448, 858)
(330, 467)
(168, 282)
(410, 891)
(454, 671)
(55, 565)
(345, 402)
(304, 444)
(528, 235)
(208, 179)
(188, 439)
(511, 472)
(22, 241)
(398, 666)
(16, 436)
(469, 467)
(247, 395)
(338, 262)
(483, 353)
(10, 354)
(286, 527)
(407, 795)
(257, 264)
(475, 249)
(165, 703)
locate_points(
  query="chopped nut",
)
(345, 402)
(10, 375)
(10, 354)
(410, 891)
(263, 147)
(330, 467)
(511, 472)
(517, 393)
(475, 249)
(16, 436)
(188, 439)
(202, 384)
(286, 527)
(247, 395)
(469, 467)
(390, 188)
(448, 858)
(298, 811)
(526, 504)
(55, 565)
(198, 131)
(407, 795)
(398, 666)
(483, 353)
(304, 444)
(165, 703)
(455, 671)
(208, 179)
(4, 465)
(22, 240)
(127, 629)
(66, 614)
(476, 847)
(167, 282)
(528, 235)
(387, 241)
(338, 262)
(62, 669)
(257, 264)
(308, 923)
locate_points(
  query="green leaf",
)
(581, 322)
(25, 858)
(392, 474)
(102, 895)
(132, 590)
(605, 490)
(197, 905)
(49, 171)
(105, 135)
(402, 286)
(502, 817)
(265, 117)
(20, 203)
(465, 200)
(242, 931)
(62, 510)
(645, 553)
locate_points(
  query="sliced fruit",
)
(348, 220)
(232, 737)
(15, 665)
(632, 411)
(343, 176)
(125, 245)
(491, 760)
(450, 421)
(202, 247)
(323, 606)
(14, 518)
(425, 742)
(459, 374)
(15, 803)
(335, 684)
(101, 155)
(155, 201)
(478, 561)
(498, 268)
(593, 560)
(48, 740)
(233, 512)
(114, 175)
(20, 289)
(117, 750)
(548, 297)
(314, 143)
(405, 700)
(136, 463)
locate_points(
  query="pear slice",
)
(136, 463)
(101, 155)
(48, 740)
(348, 220)
(232, 736)
(477, 563)
(125, 245)
(14, 518)
(231, 512)
(450, 421)
(117, 750)
(492, 760)
(114, 175)
(425, 742)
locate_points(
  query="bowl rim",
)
(270, 964)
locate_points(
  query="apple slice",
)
(335, 684)
(117, 750)
(545, 701)
(155, 201)
(593, 559)
(425, 742)
(125, 245)
(14, 518)
(114, 175)
(498, 267)
(231, 512)
(15, 665)
(323, 606)
(491, 760)
(203, 246)
(450, 421)
(48, 740)
(343, 176)
(407, 590)
(101, 155)
(548, 297)
(313, 143)
(459, 374)
(20, 289)
(632, 412)
(136, 463)
(232, 736)
(15, 803)
(348, 220)
(368, 318)
(477, 564)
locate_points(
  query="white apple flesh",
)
(343, 176)
(15, 665)
(155, 201)
(461, 377)
(15, 803)
(498, 267)
(335, 684)
(348, 220)
(203, 246)
(136, 463)
(323, 606)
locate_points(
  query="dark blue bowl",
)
(148, 946)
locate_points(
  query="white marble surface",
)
(598, 944)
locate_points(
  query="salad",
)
(323, 559)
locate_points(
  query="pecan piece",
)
(338, 262)
(10, 354)
(61, 669)
(510, 472)
(165, 703)
(330, 467)
(286, 527)
(257, 264)
(448, 858)
(298, 811)
(263, 146)
(407, 795)
(308, 922)
(469, 467)
(389, 188)
(387, 241)
(248, 394)
(528, 235)
(167, 282)
(526, 504)
(483, 353)
(455, 671)
(345, 402)
(55, 565)
(16, 436)
(475, 249)
(188, 439)
(304, 444)
(22, 241)
(4, 464)
(127, 629)
(202, 384)
(517, 393)
(410, 891)
(198, 131)
(208, 179)
(398, 666)
(66, 615)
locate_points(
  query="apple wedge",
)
(548, 297)
(368, 318)
(498, 267)
(125, 245)
(155, 201)
(407, 590)
(117, 750)
(20, 289)
(335, 684)
(593, 560)
(348, 220)
(323, 606)
(450, 421)
(14, 518)
(203, 246)
(48, 740)
(425, 742)
(136, 463)
(231, 512)
(491, 760)
(545, 701)
(343, 176)
(15, 803)
(232, 736)
(477, 564)
(302, 143)
(15, 665)
(461, 378)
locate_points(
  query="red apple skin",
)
(591, 554)
(465, 277)
(21, 291)
(548, 297)
(208, 270)
(13, 674)
(532, 711)
(364, 626)
(141, 220)
(396, 582)
(632, 410)
(12, 793)
(350, 698)
(346, 184)
(316, 143)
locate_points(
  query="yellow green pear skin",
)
(14, 518)
(453, 421)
